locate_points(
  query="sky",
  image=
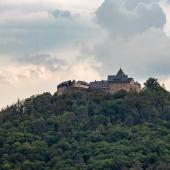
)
(46, 42)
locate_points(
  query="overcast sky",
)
(44, 42)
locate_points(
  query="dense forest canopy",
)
(88, 131)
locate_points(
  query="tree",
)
(153, 85)
(88, 131)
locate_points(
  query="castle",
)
(113, 84)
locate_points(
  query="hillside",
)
(88, 131)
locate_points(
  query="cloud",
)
(3, 79)
(145, 55)
(39, 45)
(166, 8)
(73, 5)
(30, 79)
(135, 39)
(42, 31)
(17, 73)
(61, 13)
(46, 60)
(122, 18)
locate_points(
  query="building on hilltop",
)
(115, 83)
(99, 85)
(120, 81)
(68, 86)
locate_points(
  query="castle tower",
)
(120, 72)
(121, 81)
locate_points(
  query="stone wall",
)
(113, 88)
(62, 90)
(67, 90)
(98, 86)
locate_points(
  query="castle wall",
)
(113, 88)
(137, 88)
(114, 84)
(62, 90)
(102, 90)
(67, 90)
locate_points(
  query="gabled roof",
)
(119, 77)
(120, 73)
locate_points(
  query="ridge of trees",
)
(88, 131)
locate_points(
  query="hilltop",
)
(88, 131)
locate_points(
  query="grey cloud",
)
(61, 13)
(138, 43)
(55, 31)
(33, 73)
(46, 60)
(126, 17)
(134, 3)
(142, 56)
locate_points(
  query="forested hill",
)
(88, 131)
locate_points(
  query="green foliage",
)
(88, 131)
(153, 85)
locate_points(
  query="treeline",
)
(88, 131)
